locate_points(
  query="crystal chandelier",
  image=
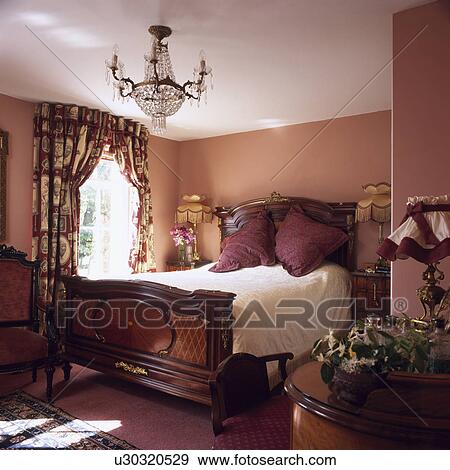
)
(158, 95)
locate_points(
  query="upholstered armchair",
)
(22, 348)
(246, 413)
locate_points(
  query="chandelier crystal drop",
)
(158, 95)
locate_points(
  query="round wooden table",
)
(412, 413)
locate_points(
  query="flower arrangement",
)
(182, 236)
(361, 351)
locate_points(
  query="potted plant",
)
(183, 238)
(357, 363)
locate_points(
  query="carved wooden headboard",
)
(336, 214)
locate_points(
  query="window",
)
(108, 208)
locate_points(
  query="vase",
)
(189, 254)
(355, 388)
(182, 253)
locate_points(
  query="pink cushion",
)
(266, 427)
(19, 345)
(253, 245)
(302, 243)
(15, 292)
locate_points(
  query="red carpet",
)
(149, 419)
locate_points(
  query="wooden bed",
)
(187, 334)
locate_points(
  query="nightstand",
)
(372, 292)
(179, 266)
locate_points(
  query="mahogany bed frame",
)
(163, 337)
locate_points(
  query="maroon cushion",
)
(253, 245)
(19, 345)
(15, 292)
(302, 243)
(262, 428)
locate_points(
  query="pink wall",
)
(352, 151)
(421, 122)
(164, 177)
(16, 117)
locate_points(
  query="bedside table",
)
(179, 266)
(372, 292)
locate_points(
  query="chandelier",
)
(158, 95)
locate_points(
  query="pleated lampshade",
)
(377, 206)
(193, 210)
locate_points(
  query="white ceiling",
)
(275, 62)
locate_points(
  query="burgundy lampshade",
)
(424, 233)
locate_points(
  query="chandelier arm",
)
(169, 82)
(190, 83)
(126, 80)
(125, 95)
(186, 93)
(166, 81)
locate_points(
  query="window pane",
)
(86, 248)
(87, 205)
(106, 252)
(107, 218)
(104, 170)
(105, 209)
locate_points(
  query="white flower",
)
(354, 365)
(320, 358)
(331, 340)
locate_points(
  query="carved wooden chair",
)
(22, 348)
(246, 414)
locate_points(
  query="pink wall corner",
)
(350, 152)
(165, 179)
(16, 117)
(421, 123)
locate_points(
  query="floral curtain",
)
(68, 143)
(129, 146)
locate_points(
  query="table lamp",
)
(424, 234)
(376, 207)
(195, 212)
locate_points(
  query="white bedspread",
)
(268, 285)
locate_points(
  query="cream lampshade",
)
(376, 207)
(195, 212)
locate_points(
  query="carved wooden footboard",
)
(162, 337)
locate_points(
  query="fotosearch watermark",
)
(400, 305)
(332, 313)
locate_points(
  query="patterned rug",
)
(28, 423)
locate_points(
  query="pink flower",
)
(182, 235)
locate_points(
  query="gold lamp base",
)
(195, 254)
(431, 294)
